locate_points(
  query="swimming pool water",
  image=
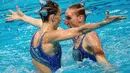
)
(15, 37)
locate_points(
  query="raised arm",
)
(20, 16)
(72, 32)
(109, 19)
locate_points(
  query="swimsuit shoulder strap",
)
(82, 40)
(33, 38)
(40, 41)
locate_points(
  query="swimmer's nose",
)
(66, 22)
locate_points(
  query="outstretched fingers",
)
(107, 14)
(17, 8)
(118, 17)
(9, 19)
(8, 15)
(122, 17)
(20, 13)
(12, 11)
(113, 18)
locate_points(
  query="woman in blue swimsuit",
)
(45, 49)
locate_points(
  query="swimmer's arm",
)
(95, 48)
(100, 57)
(32, 21)
(73, 32)
(84, 29)
(109, 19)
(102, 60)
(68, 34)
(20, 16)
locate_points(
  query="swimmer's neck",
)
(48, 27)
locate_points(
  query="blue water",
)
(15, 37)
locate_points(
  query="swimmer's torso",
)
(48, 48)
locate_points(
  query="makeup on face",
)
(68, 17)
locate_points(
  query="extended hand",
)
(113, 18)
(15, 15)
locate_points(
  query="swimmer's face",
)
(71, 18)
(59, 14)
(57, 17)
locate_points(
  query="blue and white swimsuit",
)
(79, 53)
(53, 62)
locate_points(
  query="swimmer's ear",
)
(80, 18)
(52, 17)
